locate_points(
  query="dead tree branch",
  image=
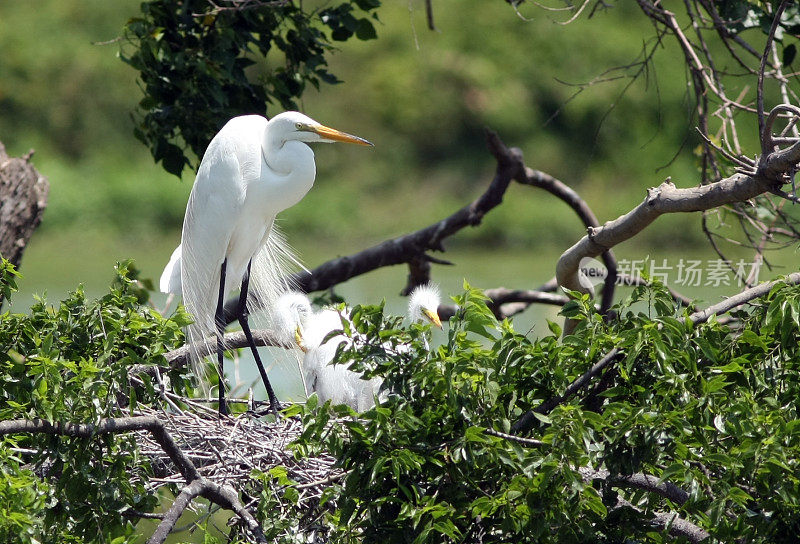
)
(413, 248)
(23, 198)
(773, 170)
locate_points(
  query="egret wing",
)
(214, 205)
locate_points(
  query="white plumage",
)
(423, 304)
(252, 170)
(295, 322)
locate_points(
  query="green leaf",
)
(365, 30)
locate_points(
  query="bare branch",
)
(180, 357)
(765, 149)
(530, 442)
(742, 298)
(668, 199)
(181, 502)
(528, 419)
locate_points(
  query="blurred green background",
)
(424, 99)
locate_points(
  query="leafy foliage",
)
(70, 363)
(709, 408)
(200, 65)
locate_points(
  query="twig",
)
(531, 442)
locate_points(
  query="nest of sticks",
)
(227, 450)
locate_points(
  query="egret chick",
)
(296, 322)
(252, 170)
(423, 304)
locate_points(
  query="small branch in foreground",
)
(528, 419)
(180, 357)
(106, 426)
(530, 442)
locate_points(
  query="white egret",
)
(295, 322)
(252, 170)
(423, 304)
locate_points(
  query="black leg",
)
(242, 314)
(219, 319)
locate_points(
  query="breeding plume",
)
(296, 322)
(252, 170)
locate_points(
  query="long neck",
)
(291, 170)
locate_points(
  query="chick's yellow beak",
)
(298, 339)
(337, 135)
(433, 317)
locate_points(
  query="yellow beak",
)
(433, 317)
(298, 339)
(337, 135)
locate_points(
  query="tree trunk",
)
(23, 197)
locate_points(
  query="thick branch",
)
(23, 197)
(223, 496)
(666, 198)
(181, 502)
(650, 483)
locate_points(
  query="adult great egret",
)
(252, 170)
(295, 322)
